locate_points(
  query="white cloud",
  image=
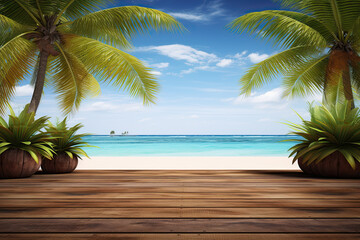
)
(100, 106)
(241, 55)
(25, 90)
(194, 69)
(112, 107)
(224, 62)
(188, 71)
(156, 73)
(159, 65)
(205, 12)
(232, 99)
(216, 90)
(272, 96)
(194, 116)
(181, 52)
(256, 57)
(265, 120)
(269, 100)
(145, 119)
(188, 16)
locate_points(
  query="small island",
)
(125, 133)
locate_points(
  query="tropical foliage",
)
(319, 42)
(331, 128)
(67, 43)
(23, 132)
(65, 140)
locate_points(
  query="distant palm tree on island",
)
(67, 45)
(112, 133)
(321, 39)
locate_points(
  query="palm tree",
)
(67, 43)
(319, 42)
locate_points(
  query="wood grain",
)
(180, 225)
(179, 212)
(183, 236)
(176, 204)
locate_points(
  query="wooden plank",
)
(160, 178)
(268, 173)
(287, 182)
(180, 212)
(94, 194)
(245, 184)
(179, 225)
(165, 175)
(186, 173)
(219, 205)
(226, 191)
(205, 236)
(179, 202)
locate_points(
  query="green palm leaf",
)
(71, 9)
(307, 79)
(16, 58)
(16, 29)
(45, 28)
(325, 26)
(116, 26)
(279, 63)
(19, 10)
(285, 28)
(72, 81)
(114, 66)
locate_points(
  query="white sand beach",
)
(222, 163)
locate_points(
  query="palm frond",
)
(306, 79)
(16, 59)
(280, 63)
(79, 8)
(354, 37)
(356, 77)
(116, 26)
(320, 9)
(27, 14)
(72, 81)
(286, 29)
(113, 66)
(10, 29)
(70, 8)
(335, 14)
(349, 11)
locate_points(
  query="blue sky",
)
(198, 71)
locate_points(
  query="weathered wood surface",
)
(176, 204)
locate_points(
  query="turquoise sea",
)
(189, 145)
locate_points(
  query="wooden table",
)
(176, 204)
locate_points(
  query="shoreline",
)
(188, 163)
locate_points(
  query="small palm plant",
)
(68, 147)
(22, 144)
(330, 141)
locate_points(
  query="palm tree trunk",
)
(347, 87)
(39, 84)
